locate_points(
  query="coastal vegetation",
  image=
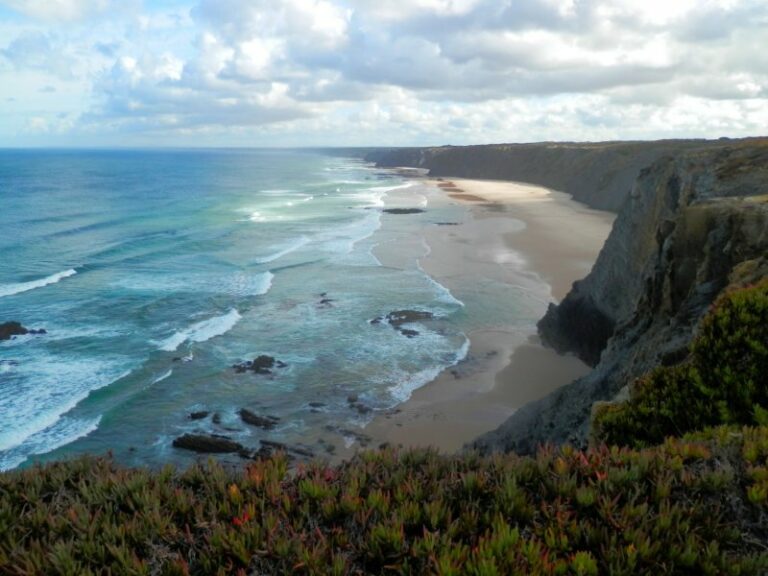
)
(691, 505)
(723, 381)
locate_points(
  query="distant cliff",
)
(597, 174)
(693, 219)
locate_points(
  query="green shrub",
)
(693, 506)
(724, 381)
(731, 353)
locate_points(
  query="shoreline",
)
(538, 242)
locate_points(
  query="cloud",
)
(65, 10)
(408, 72)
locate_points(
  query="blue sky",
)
(378, 72)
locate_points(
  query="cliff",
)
(597, 174)
(692, 219)
(693, 224)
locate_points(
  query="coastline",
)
(537, 242)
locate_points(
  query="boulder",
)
(265, 422)
(403, 210)
(10, 329)
(260, 365)
(207, 444)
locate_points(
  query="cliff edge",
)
(693, 224)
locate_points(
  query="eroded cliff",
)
(693, 218)
(600, 175)
(693, 224)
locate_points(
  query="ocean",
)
(155, 272)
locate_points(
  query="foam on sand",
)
(202, 331)
(408, 382)
(18, 288)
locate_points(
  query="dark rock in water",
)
(207, 444)
(199, 415)
(352, 398)
(39, 331)
(267, 423)
(176, 359)
(10, 329)
(216, 418)
(399, 317)
(302, 451)
(260, 365)
(362, 408)
(317, 404)
(447, 223)
(274, 445)
(403, 210)
(326, 303)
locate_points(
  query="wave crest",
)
(18, 288)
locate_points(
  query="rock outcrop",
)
(693, 224)
(207, 444)
(9, 330)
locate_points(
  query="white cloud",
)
(392, 71)
(65, 10)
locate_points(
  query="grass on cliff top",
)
(698, 506)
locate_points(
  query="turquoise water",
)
(154, 272)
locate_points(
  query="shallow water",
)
(155, 272)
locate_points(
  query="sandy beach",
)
(539, 242)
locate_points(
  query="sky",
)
(90, 73)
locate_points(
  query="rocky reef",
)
(693, 225)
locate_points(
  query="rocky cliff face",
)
(693, 218)
(693, 224)
(600, 175)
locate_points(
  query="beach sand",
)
(511, 226)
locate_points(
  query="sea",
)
(155, 272)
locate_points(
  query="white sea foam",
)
(305, 198)
(162, 377)
(283, 251)
(407, 383)
(235, 284)
(257, 217)
(391, 188)
(202, 331)
(342, 240)
(243, 284)
(52, 389)
(11, 289)
(277, 192)
(444, 295)
(63, 432)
